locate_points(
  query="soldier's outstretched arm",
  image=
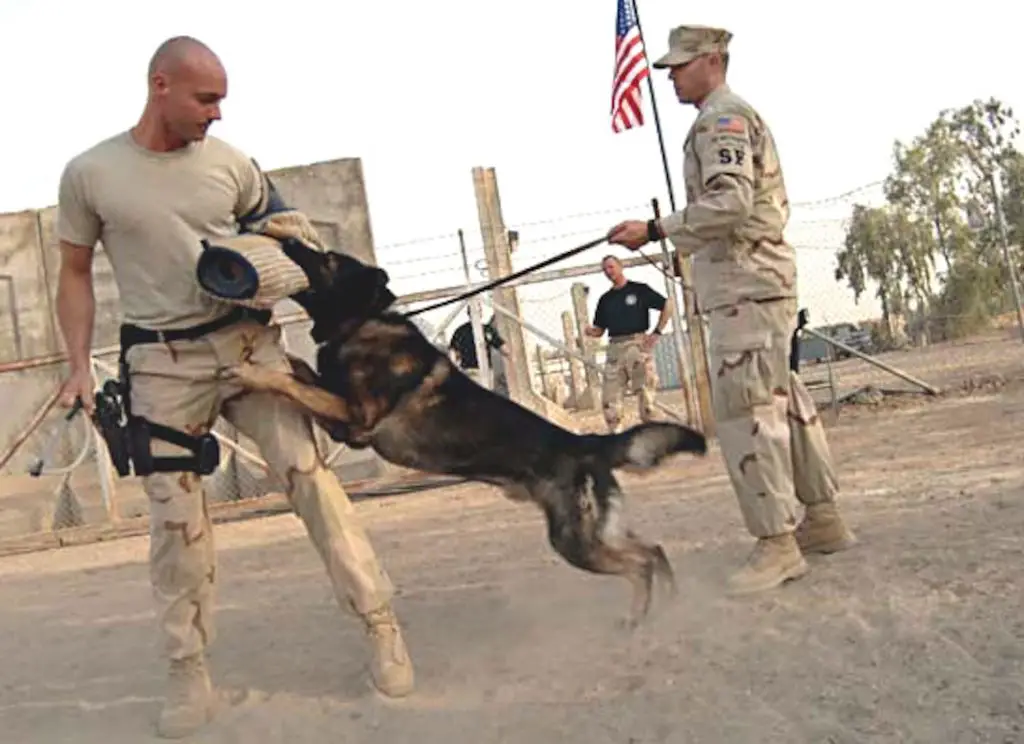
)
(726, 196)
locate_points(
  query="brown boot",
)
(391, 668)
(773, 561)
(189, 702)
(823, 530)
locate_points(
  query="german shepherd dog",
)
(380, 383)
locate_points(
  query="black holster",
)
(129, 437)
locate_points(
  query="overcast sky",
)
(424, 91)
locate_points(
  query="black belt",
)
(133, 334)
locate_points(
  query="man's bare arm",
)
(76, 304)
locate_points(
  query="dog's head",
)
(343, 291)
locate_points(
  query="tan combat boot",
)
(823, 530)
(773, 561)
(189, 702)
(391, 667)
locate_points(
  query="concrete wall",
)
(333, 196)
(26, 329)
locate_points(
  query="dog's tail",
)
(645, 445)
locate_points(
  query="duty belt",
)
(133, 334)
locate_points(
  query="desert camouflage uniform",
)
(745, 275)
(152, 242)
(628, 364)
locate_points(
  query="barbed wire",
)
(523, 249)
(838, 197)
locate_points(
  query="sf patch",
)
(732, 155)
(725, 147)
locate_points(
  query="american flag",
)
(630, 70)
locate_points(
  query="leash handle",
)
(505, 279)
(36, 469)
(78, 406)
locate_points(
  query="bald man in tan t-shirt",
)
(149, 195)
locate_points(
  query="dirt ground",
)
(917, 635)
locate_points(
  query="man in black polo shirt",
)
(624, 311)
(463, 344)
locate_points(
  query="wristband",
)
(653, 233)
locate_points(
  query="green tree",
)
(871, 252)
(924, 182)
(985, 131)
(941, 198)
(1013, 197)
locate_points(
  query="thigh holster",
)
(129, 438)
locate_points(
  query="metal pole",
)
(679, 310)
(1005, 240)
(877, 362)
(654, 109)
(37, 419)
(442, 329)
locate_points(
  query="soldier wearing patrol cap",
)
(745, 275)
(155, 196)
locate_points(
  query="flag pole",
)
(654, 108)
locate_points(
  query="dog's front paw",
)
(249, 376)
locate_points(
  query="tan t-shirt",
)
(150, 210)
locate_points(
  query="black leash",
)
(505, 279)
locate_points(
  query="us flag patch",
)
(731, 124)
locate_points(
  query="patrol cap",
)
(686, 43)
(248, 269)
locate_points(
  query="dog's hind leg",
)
(643, 562)
(589, 532)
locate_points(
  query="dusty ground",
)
(917, 635)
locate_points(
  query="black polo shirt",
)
(624, 311)
(464, 343)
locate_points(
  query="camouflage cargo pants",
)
(177, 384)
(768, 427)
(628, 365)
